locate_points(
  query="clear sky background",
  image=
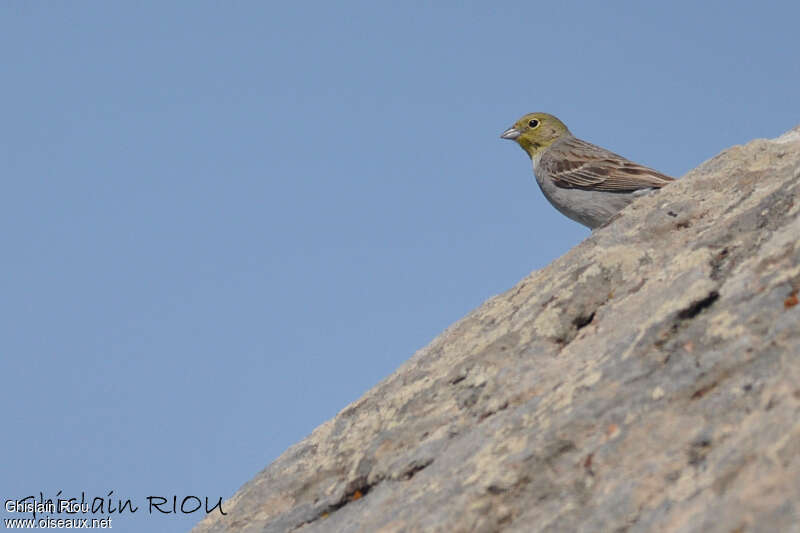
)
(223, 222)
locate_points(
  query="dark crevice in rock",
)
(356, 490)
(489, 413)
(359, 488)
(582, 321)
(458, 379)
(697, 307)
(558, 448)
(519, 289)
(587, 464)
(580, 311)
(719, 263)
(415, 467)
(717, 376)
(791, 300)
(698, 450)
(495, 489)
(702, 391)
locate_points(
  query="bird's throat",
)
(532, 148)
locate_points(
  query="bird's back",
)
(572, 163)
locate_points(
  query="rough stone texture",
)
(649, 380)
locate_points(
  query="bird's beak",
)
(511, 133)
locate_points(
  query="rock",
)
(648, 380)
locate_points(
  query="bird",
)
(585, 182)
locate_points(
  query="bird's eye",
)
(533, 123)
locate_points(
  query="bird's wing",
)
(576, 164)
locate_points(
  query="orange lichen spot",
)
(612, 431)
(791, 301)
(356, 495)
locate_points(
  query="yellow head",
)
(534, 132)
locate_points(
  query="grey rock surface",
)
(648, 380)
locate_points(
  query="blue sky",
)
(223, 222)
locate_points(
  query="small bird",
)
(587, 183)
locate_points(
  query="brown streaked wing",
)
(576, 164)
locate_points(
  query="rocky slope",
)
(649, 380)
